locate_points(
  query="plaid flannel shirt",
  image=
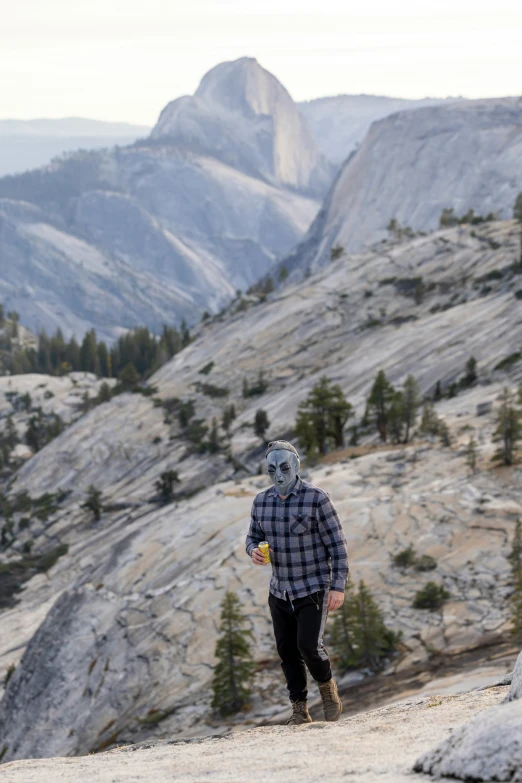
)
(305, 534)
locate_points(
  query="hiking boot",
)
(300, 714)
(332, 705)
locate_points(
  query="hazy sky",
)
(125, 59)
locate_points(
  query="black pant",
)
(298, 629)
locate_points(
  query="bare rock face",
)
(515, 691)
(413, 164)
(245, 117)
(487, 748)
(340, 122)
(76, 653)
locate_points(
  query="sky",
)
(124, 60)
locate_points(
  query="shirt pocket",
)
(301, 523)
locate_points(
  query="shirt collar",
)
(296, 489)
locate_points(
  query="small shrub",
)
(404, 558)
(206, 369)
(371, 323)
(94, 502)
(431, 597)
(508, 361)
(165, 485)
(425, 563)
(47, 560)
(259, 387)
(9, 673)
(211, 390)
(336, 252)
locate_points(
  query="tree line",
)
(137, 349)
(393, 413)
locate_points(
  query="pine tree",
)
(185, 334)
(214, 442)
(517, 215)
(104, 392)
(359, 636)
(470, 376)
(471, 454)
(382, 395)
(233, 673)
(430, 422)
(411, 401)
(129, 377)
(396, 417)
(89, 353)
(104, 359)
(321, 418)
(508, 430)
(229, 414)
(515, 558)
(165, 484)
(336, 252)
(93, 502)
(261, 423)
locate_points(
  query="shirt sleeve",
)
(255, 532)
(334, 540)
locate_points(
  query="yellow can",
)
(264, 547)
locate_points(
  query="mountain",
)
(339, 123)
(413, 164)
(119, 630)
(167, 227)
(27, 144)
(243, 116)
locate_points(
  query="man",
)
(309, 573)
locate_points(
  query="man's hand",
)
(335, 600)
(257, 557)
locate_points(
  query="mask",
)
(282, 466)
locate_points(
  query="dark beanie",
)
(280, 444)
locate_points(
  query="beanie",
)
(281, 444)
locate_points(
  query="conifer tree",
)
(382, 395)
(261, 423)
(429, 420)
(234, 671)
(515, 558)
(165, 484)
(508, 430)
(214, 442)
(411, 401)
(359, 636)
(93, 502)
(129, 377)
(396, 417)
(321, 418)
(471, 454)
(470, 376)
(517, 214)
(229, 414)
(89, 361)
(104, 392)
